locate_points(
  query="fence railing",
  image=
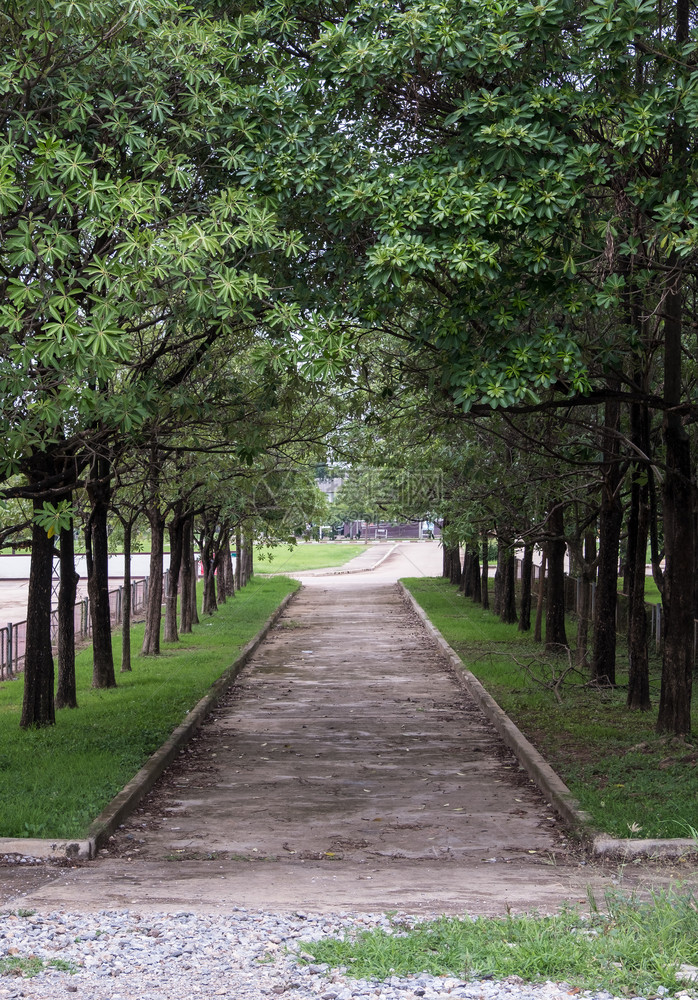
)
(13, 636)
(573, 599)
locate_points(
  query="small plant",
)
(63, 966)
(25, 966)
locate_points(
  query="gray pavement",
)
(346, 769)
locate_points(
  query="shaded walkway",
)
(347, 738)
(345, 770)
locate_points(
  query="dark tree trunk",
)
(525, 606)
(638, 531)
(451, 564)
(153, 611)
(219, 578)
(38, 708)
(249, 559)
(540, 602)
(477, 578)
(467, 574)
(99, 492)
(195, 579)
(603, 664)
(176, 534)
(485, 572)
(238, 559)
(226, 570)
(208, 561)
(498, 578)
(126, 601)
(187, 578)
(638, 672)
(507, 611)
(695, 555)
(66, 692)
(555, 634)
(674, 714)
(587, 578)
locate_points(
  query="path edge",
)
(125, 801)
(539, 770)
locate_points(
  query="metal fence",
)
(13, 636)
(573, 599)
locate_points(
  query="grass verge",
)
(305, 555)
(55, 781)
(630, 948)
(633, 782)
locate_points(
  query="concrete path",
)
(346, 770)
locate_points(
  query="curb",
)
(123, 804)
(366, 569)
(538, 769)
(341, 572)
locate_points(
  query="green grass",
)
(633, 782)
(652, 595)
(305, 555)
(56, 780)
(632, 948)
(28, 966)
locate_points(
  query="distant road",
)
(17, 567)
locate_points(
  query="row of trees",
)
(471, 208)
(507, 193)
(135, 280)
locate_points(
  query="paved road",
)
(345, 770)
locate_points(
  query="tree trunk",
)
(586, 579)
(208, 561)
(249, 560)
(638, 658)
(467, 573)
(66, 692)
(153, 611)
(540, 603)
(227, 566)
(176, 534)
(195, 580)
(675, 696)
(485, 572)
(126, 601)
(219, 578)
(451, 563)
(187, 577)
(99, 492)
(508, 596)
(603, 664)
(38, 702)
(638, 531)
(476, 576)
(555, 634)
(525, 606)
(498, 578)
(238, 559)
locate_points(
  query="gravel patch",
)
(245, 955)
